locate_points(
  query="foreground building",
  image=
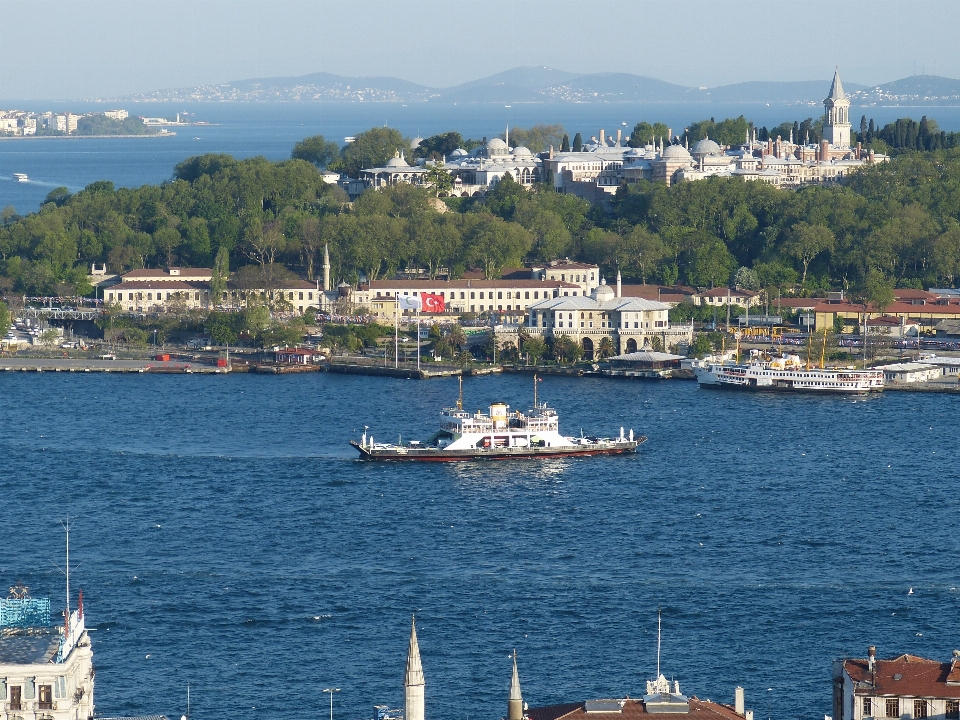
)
(904, 687)
(46, 671)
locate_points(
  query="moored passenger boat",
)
(497, 435)
(787, 373)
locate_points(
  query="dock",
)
(38, 365)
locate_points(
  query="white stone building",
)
(46, 671)
(629, 322)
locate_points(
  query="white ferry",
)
(21, 177)
(499, 435)
(786, 373)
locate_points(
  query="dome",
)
(675, 152)
(415, 143)
(459, 152)
(397, 161)
(496, 144)
(522, 151)
(603, 292)
(706, 147)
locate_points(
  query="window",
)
(893, 707)
(309, 296)
(536, 294)
(111, 297)
(301, 296)
(473, 295)
(15, 691)
(919, 708)
(196, 296)
(526, 295)
(953, 709)
(463, 296)
(500, 295)
(150, 296)
(130, 296)
(45, 697)
(867, 707)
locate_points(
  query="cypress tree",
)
(863, 126)
(565, 143)
(577, 143)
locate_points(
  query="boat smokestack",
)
(871, 657)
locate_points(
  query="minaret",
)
(326, 268)
(413, 683)
(515, 703)
(619, 284)
(836, 115)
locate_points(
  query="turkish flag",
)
(432, 303)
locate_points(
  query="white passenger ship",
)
(499, 435)
(786, 373)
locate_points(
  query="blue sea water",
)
(271, 129)
(226, 537)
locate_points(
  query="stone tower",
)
(515, 703)
(413, 683)
(836, 116)
(326, 268)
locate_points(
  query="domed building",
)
(669, 166)
(474, 173)
(629, 322)
(396, 171)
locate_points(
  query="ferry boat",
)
(786, 373)
(499, 435)
(21, 177)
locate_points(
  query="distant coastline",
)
(83, 137)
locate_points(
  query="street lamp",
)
(331, 691)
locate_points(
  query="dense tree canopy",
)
(893, 223)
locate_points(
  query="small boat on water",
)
(21, 177)
(497, 435)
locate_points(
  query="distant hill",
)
(913, 90)
(549, 85)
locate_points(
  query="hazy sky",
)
(74, 49)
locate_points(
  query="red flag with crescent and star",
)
(432, 303)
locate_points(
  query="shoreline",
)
(83, 137)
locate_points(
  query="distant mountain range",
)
(548, 85)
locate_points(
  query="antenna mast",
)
(534, 391)
(460, 399)
(658, 642)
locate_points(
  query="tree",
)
(577, 143)
(316, 150)
(538, 138)
(534, 347)
(565, 143)
(712, 264)
(805, 242)
(372, 149)
(4, 318)
(604, 349)
(439, 178)
(219, 276)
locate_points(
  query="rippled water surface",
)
(227, 538)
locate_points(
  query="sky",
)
(86, 49)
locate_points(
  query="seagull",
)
(910, 592)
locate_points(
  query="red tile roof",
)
(657, 292)
(145, 274)
(791, 302)
(905, 676)
(913, 294)
(902, 308)
(635, 710)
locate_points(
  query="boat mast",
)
(823, 349)
(460, 398)
(534, 391)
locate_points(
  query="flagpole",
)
(418, 341)
(396, 334)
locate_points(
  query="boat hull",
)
(788, 389)
(511, 453)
